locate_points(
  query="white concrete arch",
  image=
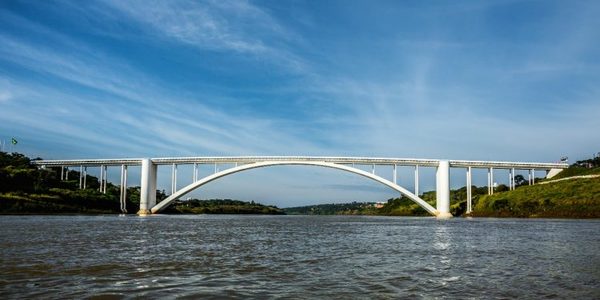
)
(163, 204)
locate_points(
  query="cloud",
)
(5, 92)
(235, 26)
(90, 95)
(200, 24)
(5, 96)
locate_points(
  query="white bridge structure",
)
(237, 164)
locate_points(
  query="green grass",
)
(577, 198)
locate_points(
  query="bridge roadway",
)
(330, 159)
(149, 166)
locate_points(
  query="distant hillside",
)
(354, 208)
(221, 206)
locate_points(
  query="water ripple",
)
(337, 257)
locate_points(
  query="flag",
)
(13, 141)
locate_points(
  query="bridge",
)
(235, 164)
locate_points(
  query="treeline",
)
(581, 167)
(588, 163)
(221, 206)
(353, 208)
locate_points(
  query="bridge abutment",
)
(147, 187)
(442, 190)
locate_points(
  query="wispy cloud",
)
(199, 24)
(5, 96)
(236, 26)
(125, 97)
(6, 92)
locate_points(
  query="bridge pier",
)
(80, 177)
(442, 180)
(417, 180)
(123, 190)
(469, 192)
(147, 187)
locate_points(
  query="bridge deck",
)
(331, 159)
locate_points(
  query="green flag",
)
(13, 141)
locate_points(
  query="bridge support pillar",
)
(442, 178)
(469, 188)
(148, 187)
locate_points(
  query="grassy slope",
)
(575, 171)
(577, 198)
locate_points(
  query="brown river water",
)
(300, 257)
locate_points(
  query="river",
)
(234, 256)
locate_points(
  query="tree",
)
(520, 180)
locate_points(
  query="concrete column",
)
(101, 179)
(492, 180)
(469, 186)
(195, 175)
(514, 184)
(105, 178)
(84, 178)
(532, 176)
(153, 174)
(395, 175)
(123, 196)
(417, 180)
(174, 179)
(148, 187)
(442, 180)
(80, 177)
(62, 173)
(489, 182)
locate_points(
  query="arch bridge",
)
(235, 164)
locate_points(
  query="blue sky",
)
(486, 80)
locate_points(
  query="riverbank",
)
(576, 198)
(66, 202)
(569, 197)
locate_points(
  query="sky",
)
(476, 80)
